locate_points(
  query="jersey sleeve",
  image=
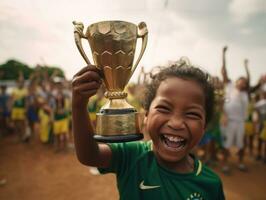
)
(124, 155)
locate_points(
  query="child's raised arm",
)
(84, 85)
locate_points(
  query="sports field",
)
(33, 171)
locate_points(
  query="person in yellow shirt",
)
(18, 112)
(45, 117)
(60, 124)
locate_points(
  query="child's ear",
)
(144, 125)
(145, 118)
(146, 113)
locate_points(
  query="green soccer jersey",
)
(139, 176)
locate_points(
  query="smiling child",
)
(179, 103)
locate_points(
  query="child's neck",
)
(185, 165)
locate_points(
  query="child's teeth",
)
(174, 139)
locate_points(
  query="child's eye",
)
(193, 115)
(162, 109)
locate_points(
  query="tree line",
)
(13, 68)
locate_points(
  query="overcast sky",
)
(38, 31)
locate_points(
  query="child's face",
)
(176, 118)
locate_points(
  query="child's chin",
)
(171, 157)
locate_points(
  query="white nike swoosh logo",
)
(147, 187)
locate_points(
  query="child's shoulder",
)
(125, 156)
(137, 147)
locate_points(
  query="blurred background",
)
(39, 58)
(38, 32)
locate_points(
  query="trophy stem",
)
(117, 104)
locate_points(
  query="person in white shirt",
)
(235, 113)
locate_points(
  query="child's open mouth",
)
(175, 143)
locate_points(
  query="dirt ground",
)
(33, 171)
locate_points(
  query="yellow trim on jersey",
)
(150, 145)
(199, 168)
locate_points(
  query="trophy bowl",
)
(113, 45)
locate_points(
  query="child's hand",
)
(85, 84)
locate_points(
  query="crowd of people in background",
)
(39, 110)
(239, 119)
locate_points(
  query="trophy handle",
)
(142, 33)
(78, 34)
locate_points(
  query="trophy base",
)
(118, 125)
(118, 138)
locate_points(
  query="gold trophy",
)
(113, 45)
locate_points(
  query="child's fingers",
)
(81, 71)
(88, 86)
(87, 68)
(90, 76)
(89, 93)
(87, 76)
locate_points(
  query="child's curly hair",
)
(182, 69)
